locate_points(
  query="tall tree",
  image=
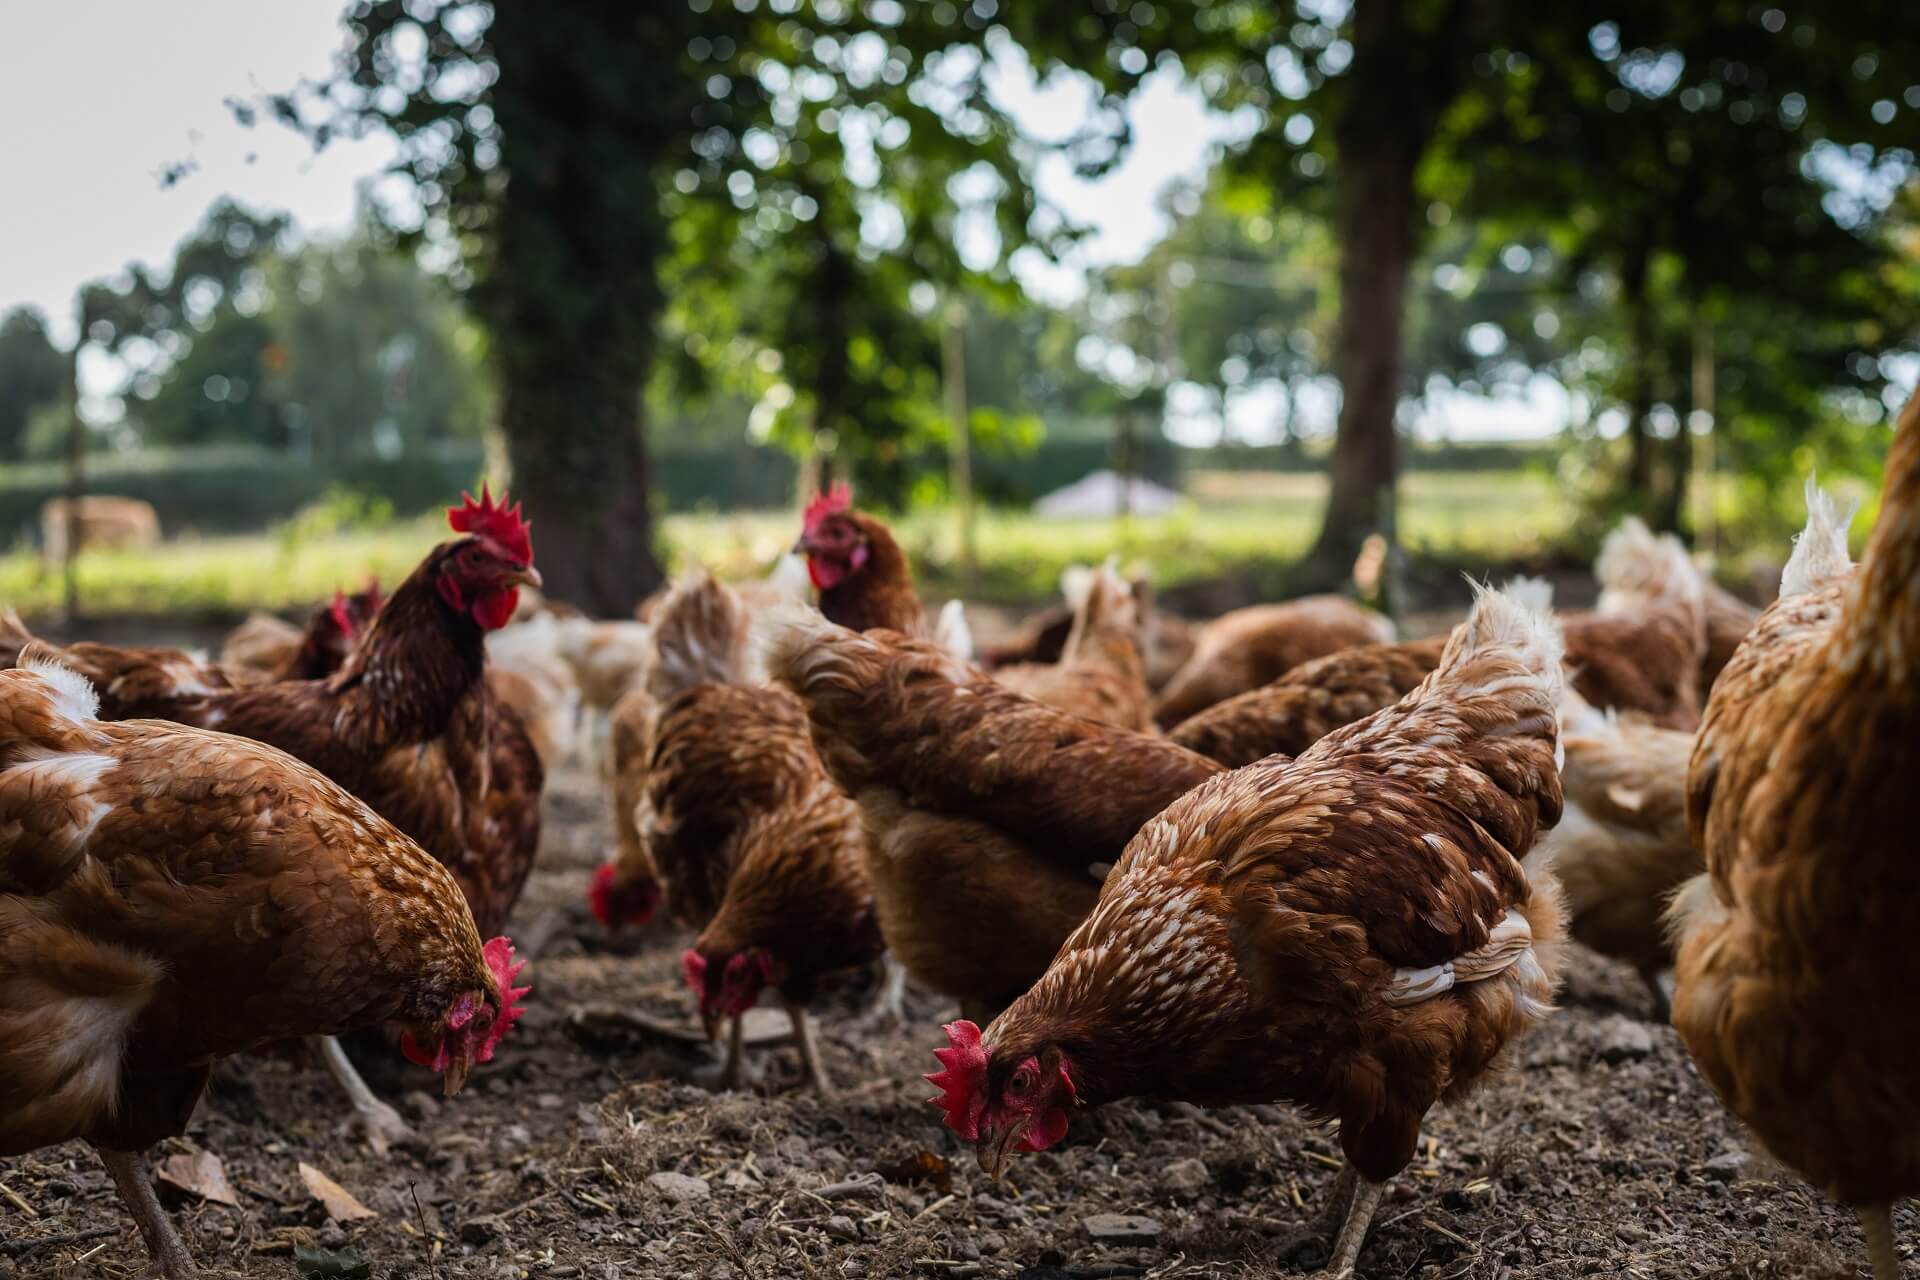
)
(33, 374)
(559, 146)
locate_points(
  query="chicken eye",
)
(1022, 1080)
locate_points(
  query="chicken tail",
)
(1106, 610)
(1506, 623)
(1820, 550)
(951, 631)
(1635, 569)
(699, 637)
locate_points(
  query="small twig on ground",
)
(433, 1263)
(14, 1248)
(18, 1203)
(865, 1184)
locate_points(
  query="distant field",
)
(1232, 521)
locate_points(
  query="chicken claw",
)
(384, 1126)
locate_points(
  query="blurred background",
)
(1231, 288)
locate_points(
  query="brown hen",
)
(1309, 702)
(1101, 674)
(1251, 647)
(991, 820)
(170, 896)
(1799, 959)
(1352, 931)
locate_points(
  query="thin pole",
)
(76, 479)
(953, 349)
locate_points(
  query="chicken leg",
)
(733, 1073)
(129, 1172)
(1877, 1222)
(809, 1050)
(1346, 1250)
(890, 1006)
(1326, 1225)
(384, 1126)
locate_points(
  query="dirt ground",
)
(1601, 1154)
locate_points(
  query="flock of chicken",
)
(1275, 857)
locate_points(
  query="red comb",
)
(962, 1097)
(504, 524)
(506, 967)
(693, 967)
(342, 616)
(832, 502)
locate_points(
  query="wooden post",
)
(1703, 392)
(953, 351)
(76, 480)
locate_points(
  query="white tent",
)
(1104, 493)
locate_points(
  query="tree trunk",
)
(1403, 76)
(597, 556)
(571, 291)
(1634, 294)
(1375, 209)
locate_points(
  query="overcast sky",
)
(99, 96)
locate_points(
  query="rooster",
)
(991, 820)
(1309, 702)
(1250, 647)
(1798, 960)
(170, 896)
(1353, 931)
(1101, 673)
(406, 724)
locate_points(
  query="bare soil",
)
(1600, 1154)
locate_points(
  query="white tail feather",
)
(1820, 550)
(1532, 593)
(74, 697)
(952, 633)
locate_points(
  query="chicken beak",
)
(527, 577)
(454, 1079)
(803, 546)
(992, 1153)
(711, 1022)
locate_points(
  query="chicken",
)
(1101, 674)
(407, 724)
(990, 819)
(1621, 848)
(734, 818)
(526, 672)
(1798, 958)
(268, 648)
(1644, 647)
(1309, 702)
(1250, 647)
(170, 896)
(858, 568)
(1353, 931)
(1166, 638)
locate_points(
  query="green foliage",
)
(33, 376)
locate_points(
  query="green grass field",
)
(1233, 522)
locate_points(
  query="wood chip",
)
(334, 1198)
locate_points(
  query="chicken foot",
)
(384, 1126)
(1353, 1233)
(129, 1172)
(1876, 1221)
(1326, 1224)
(809, 1050)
